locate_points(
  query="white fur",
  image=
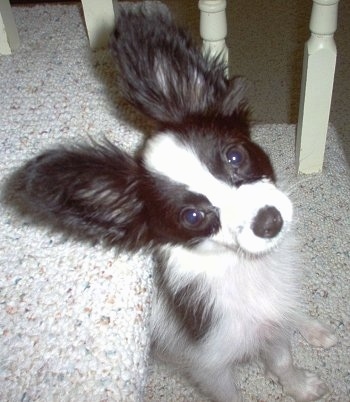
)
(238, 211)
(166, 155)
(250, 294)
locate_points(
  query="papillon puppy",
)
(202, 196)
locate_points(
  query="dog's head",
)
(213, 188)
(200, 181)
(207, 183)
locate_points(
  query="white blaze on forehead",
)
(167, 156)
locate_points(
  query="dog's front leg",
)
(300, 384)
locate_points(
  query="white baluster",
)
(9, 39)
(316, 87)
(99, 20)
(213, 27)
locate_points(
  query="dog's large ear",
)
(164, 73)
(92, 190)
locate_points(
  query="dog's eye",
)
(192, 217)
(234, 156)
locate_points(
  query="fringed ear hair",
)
(235, 98)
(165, 75)
(92, 190)
(234, 108)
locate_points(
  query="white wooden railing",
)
(317, 86)
(213, 27)
(9, 39)
(318, 69)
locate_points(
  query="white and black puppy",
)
(203, 197)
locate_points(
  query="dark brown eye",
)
(234, 156)
(192, 217)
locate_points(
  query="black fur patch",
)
(191, 304)
(165, 200)
(210, 137)
(191, 308)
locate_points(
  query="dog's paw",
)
(309, 387)
(318, 334)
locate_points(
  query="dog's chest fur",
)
(220, 299)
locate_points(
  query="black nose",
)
(267, 223)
